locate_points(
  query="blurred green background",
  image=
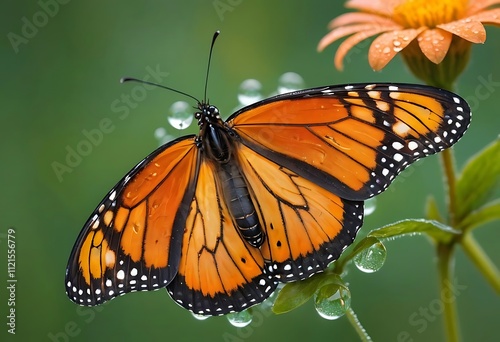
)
(64, 79)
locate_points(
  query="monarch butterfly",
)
(273, 194)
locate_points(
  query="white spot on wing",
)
(398, 157)
(412, 145)
(397, 145)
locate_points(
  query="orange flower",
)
(425, 27)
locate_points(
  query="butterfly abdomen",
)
(239, 203)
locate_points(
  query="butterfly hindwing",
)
(353, 140)
(132, 240)
(306, 226)
(219, 272)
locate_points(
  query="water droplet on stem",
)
(332, 301)
(371, 259)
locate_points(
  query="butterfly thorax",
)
(214, 138)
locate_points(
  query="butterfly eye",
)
(213, 111)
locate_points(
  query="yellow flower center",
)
(429, 13)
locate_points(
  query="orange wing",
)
(132, 241)
(306, 226)
(353, 140)
(219, 271)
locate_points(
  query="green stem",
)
(353, 319)
(445, 268)
(449, 172)
(481, 260)
(445, 251)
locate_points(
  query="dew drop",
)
(240, 319)
(370, 206)
(180, 116)
(335, 305)
(386, 50)
(162, 136)
(160, 132)
(250, 92)
(290, 81)
(199, 317)
(269, 302)
(397, 49)
(397, 43)
(371, 259)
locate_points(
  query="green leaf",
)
(432, 210)
(479, 179)
(486, 213)
(330, 287)
(295, 294)
(435, 229)
(326, 292)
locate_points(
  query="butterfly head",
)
(207, 114)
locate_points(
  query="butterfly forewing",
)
(132, 240)
(353, 140)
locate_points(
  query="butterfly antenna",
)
(132, 79)
(216, 34)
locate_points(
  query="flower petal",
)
(382, 7)
(468, 29)
(479, 5)
(353, 40)
(488, 17)
(387, 45)
(342, 32)
(358, 18)
(434, 44)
